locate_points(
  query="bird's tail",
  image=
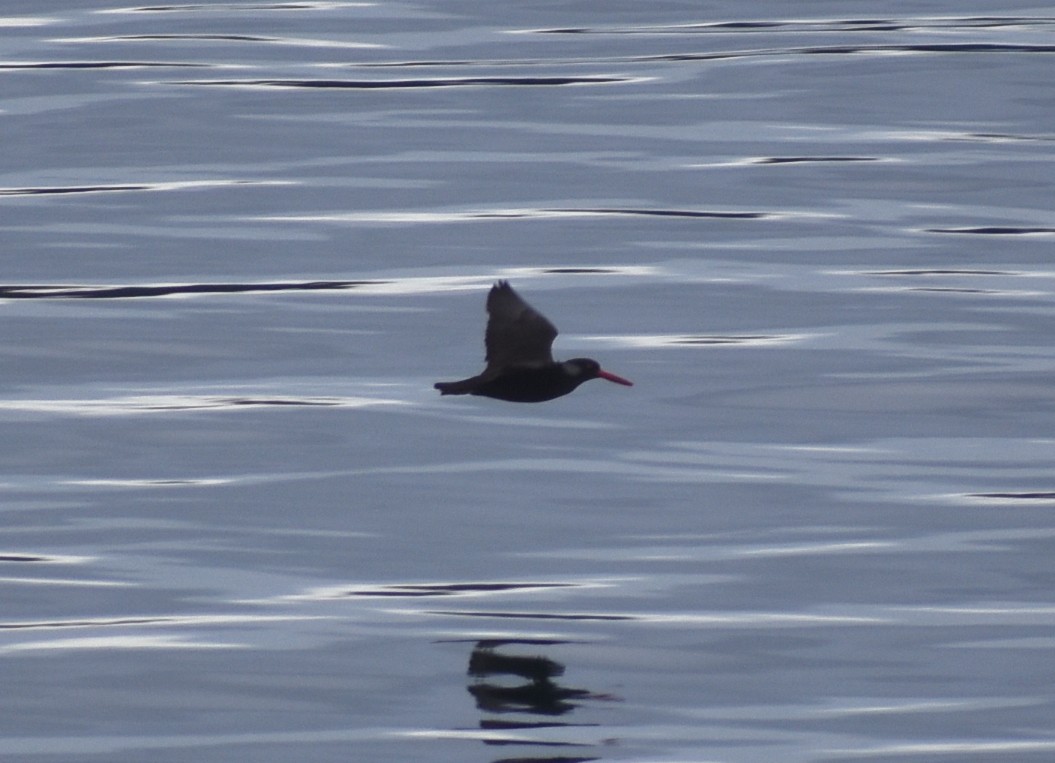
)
(463, 387)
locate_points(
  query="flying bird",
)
(520, 366)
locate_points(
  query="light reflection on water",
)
(145, 404)
(222, 38)
(691, 340)
(112, 643)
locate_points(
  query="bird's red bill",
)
(613, 378)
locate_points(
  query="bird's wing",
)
(517, 334)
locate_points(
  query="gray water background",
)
(240, 240)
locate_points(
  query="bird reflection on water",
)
(529, 687)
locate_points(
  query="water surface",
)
(242, 240)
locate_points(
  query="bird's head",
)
(584, 369)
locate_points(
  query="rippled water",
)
(241, 240)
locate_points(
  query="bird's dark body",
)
(517, 385)
(520, 366)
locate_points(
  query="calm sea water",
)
(241, 240)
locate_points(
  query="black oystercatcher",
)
(520, 366)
